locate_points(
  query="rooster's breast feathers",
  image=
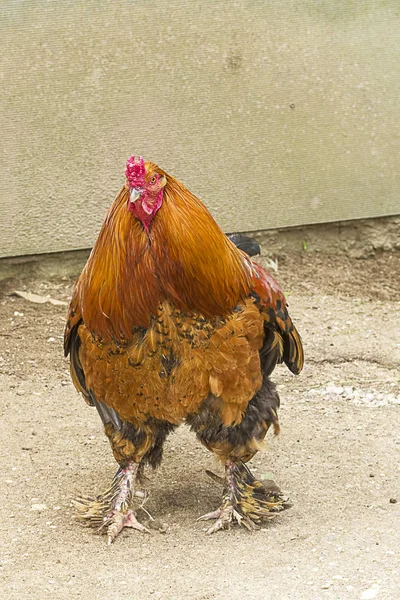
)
(167, 370)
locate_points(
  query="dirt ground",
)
(338, 456)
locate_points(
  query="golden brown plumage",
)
(168, 372)
(170, 321)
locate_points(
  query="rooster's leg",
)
(245, 500)
(133, 447)
(113, 510)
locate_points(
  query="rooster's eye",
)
(153, 179)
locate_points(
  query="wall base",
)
(356, 239)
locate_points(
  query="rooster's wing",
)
(282, 342)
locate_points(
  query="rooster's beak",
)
(135, 194)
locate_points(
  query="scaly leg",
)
(245, 500)
(113, 510)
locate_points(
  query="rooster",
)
(171, 322)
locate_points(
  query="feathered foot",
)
(113, 510)
(245, 500)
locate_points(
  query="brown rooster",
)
(170, 322)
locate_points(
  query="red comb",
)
(135, 171)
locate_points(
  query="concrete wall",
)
(274, 113)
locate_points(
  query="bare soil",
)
(338, 456)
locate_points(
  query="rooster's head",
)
(146, 188)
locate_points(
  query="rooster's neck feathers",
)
(185, 259)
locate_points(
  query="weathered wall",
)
(274, 113)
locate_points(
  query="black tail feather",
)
(245, 243)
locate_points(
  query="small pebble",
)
(326, 585)
(39, 507)
(371, 593)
